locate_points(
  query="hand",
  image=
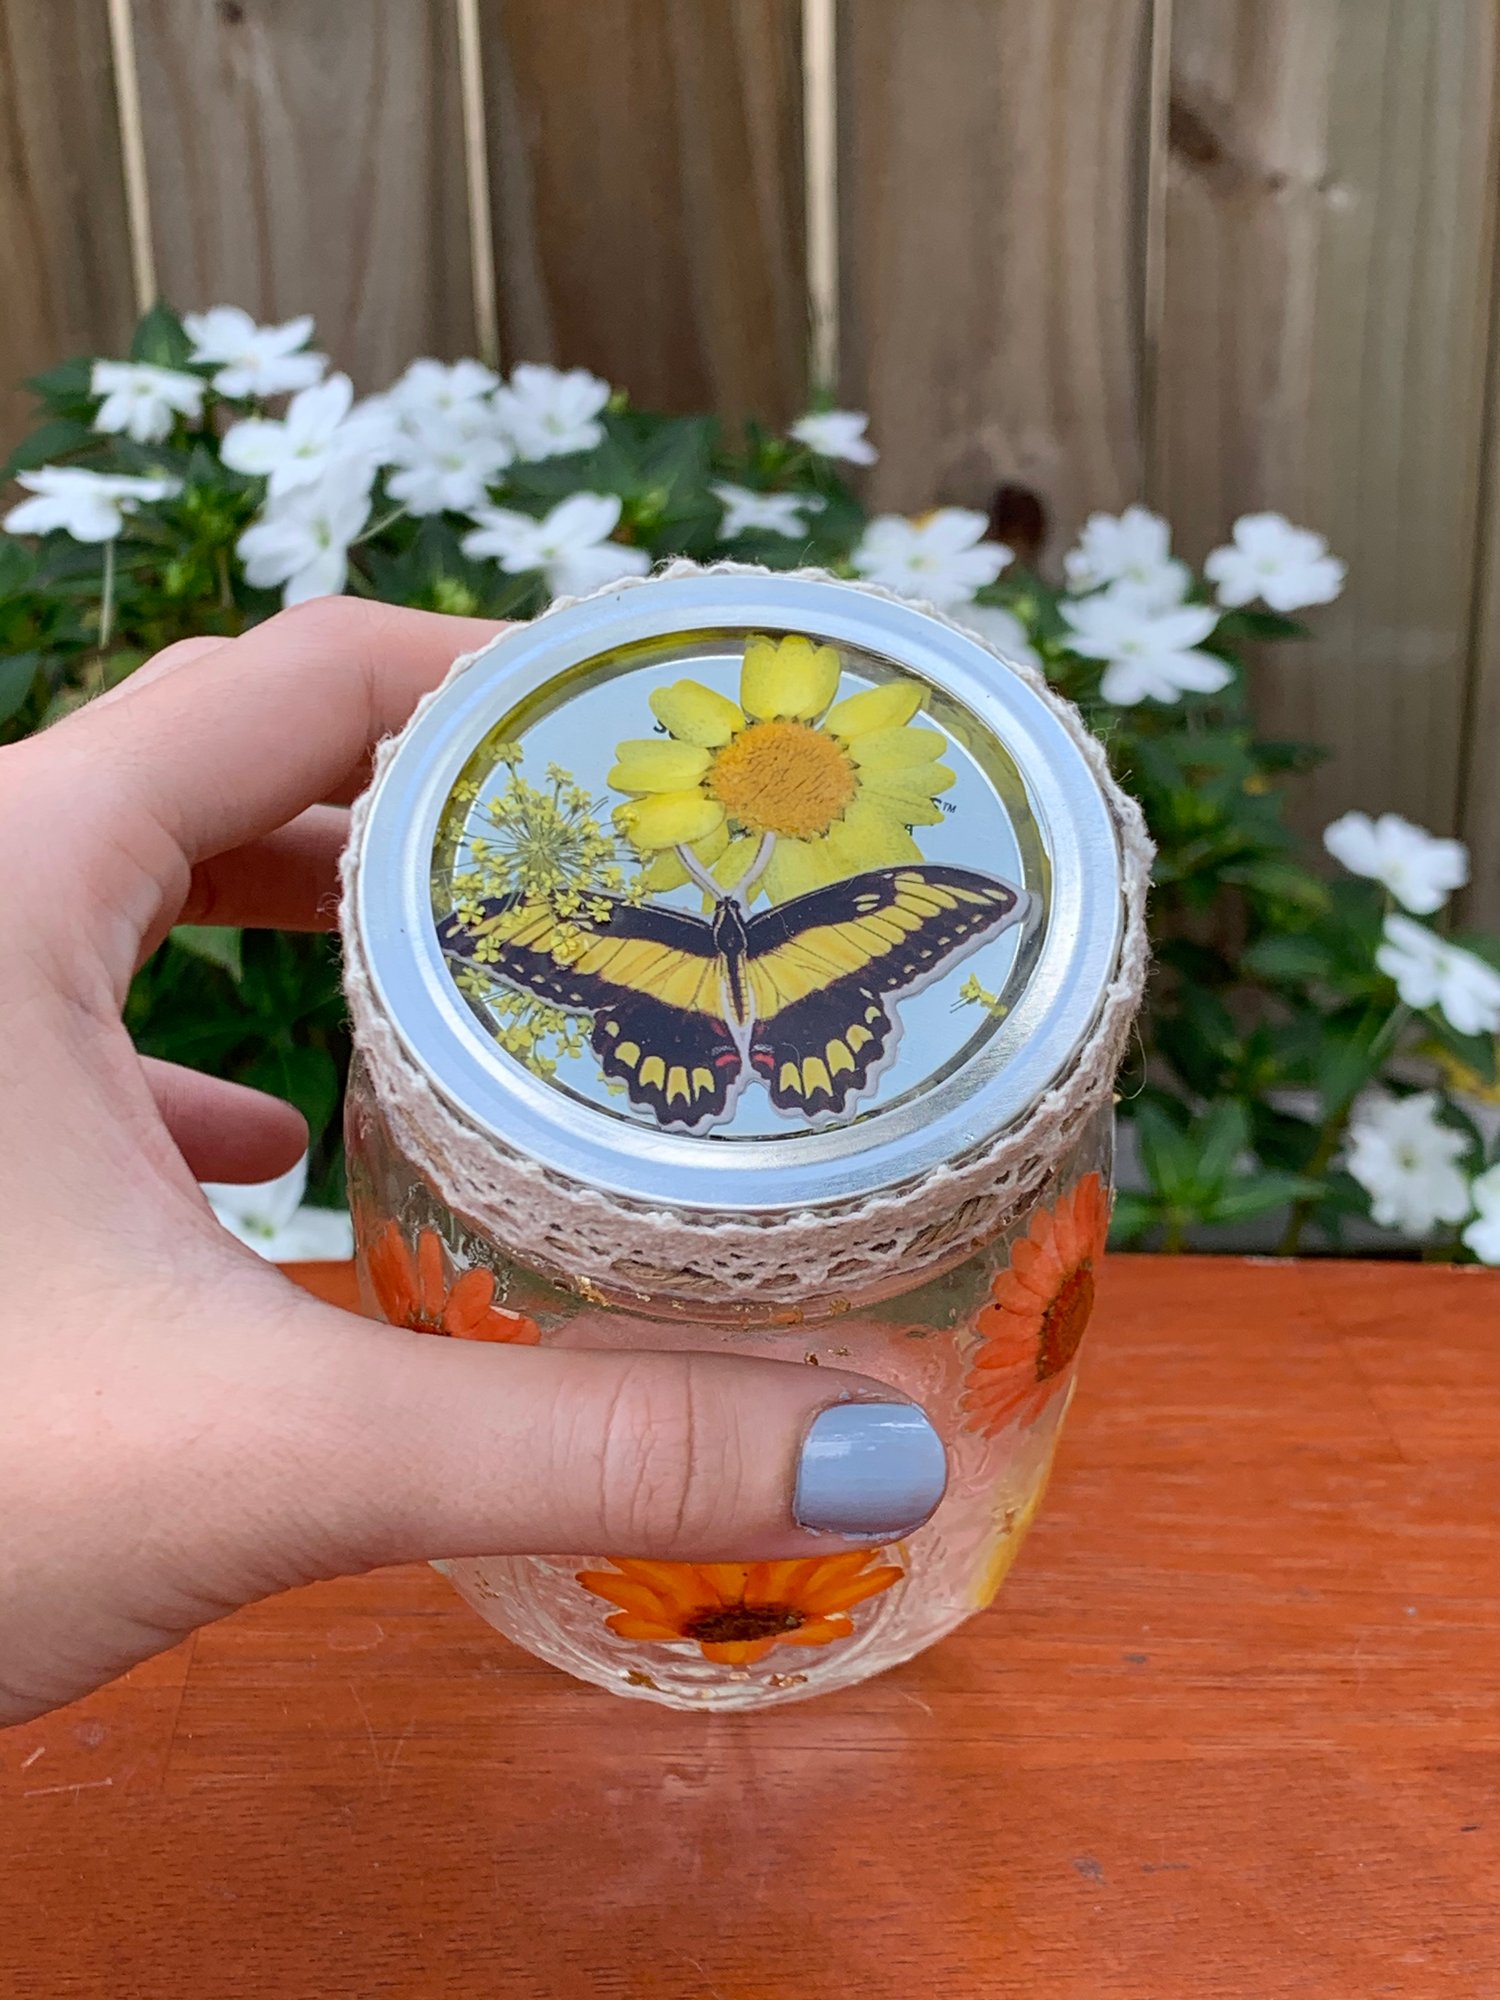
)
(181, 1429)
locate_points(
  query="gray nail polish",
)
(869, 1470)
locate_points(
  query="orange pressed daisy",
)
(1038, 1310)
(736, 1612)
(414, 1292)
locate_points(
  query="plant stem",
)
(107, 598)
(1335, 1123)
(378, 527)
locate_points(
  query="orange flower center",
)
(783, 777)
(1064, 1321)
(732, 1624)
(417, 1321)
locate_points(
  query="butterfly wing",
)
(650, 977)
(822, 968)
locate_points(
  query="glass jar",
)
(987, 1352)
(688, 1022)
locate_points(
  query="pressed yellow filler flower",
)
(829, 787)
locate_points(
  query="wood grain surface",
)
(991, 215)
(309, 158)
(64, 248)
(1232, 1732)
(1326, 326)
(646, 167)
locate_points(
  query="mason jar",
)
(741, 961)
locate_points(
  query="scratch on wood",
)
(47, 1791)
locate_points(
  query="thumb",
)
(390, 1446)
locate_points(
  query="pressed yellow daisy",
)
(829, 787)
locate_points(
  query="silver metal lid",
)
(739, 892)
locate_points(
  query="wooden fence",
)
(1217, 254)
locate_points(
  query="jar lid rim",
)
(390, 906)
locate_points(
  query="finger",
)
(381, 1446)
(181, 653)
(226, 1131)
(285, 881)
(219, 752)
(232, 745)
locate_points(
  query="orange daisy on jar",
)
(414, 1292)
(735, 1613)
(1038, 1310)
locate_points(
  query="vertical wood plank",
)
(648, 195)
(992, 178)
(64, 246)
(309, 158)
(1479, 781)
(1328, 249)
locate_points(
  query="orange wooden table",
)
(1232, 1729)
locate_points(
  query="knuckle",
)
(668, 1466)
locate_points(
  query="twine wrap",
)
(809, 1259)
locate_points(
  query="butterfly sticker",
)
(688, 1009)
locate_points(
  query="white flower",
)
(546, 412)
(1004, 631)
(1133, 547)
(1285, 567)
(1151, 652)
(1420, 870)
(770, 513)
(447, 460)
(1406, 1161)
(254, 360)
(1430, 972)
(571, 544)
(836, 434)
(439, 388)
(302, 541)
(1483, 1235)
(943, 557)
(89, 506)
(319, 427)
(141, 401)
(270, 1218)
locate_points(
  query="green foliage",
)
(1267, 1013)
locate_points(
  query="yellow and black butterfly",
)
(686, 1008)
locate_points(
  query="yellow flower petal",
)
(790, 677)
(883, 707)
(797, 866)
(664, 871)
(712, 845)
(696, 714)
(669, 819)
(735, 859)
(656, 764)
(897, 749)
(870, 836)
(908, 795)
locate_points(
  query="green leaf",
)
(58, 438)
(65, 389)
(306, 1077)
(1281, 882)
(1259, 1195)
(216, 944)
(1246, 624)
(1287, 955)
(160, 339)
(1220, 1136)
(1133, 1215)
(17, 678)
(1166, 1152)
